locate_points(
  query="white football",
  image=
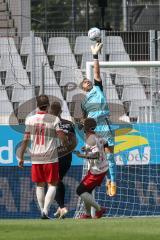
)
(94, 34)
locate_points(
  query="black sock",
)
(60, 193)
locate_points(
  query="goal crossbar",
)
(120, 64)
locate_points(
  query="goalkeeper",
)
(95, 106)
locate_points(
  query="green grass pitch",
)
(74, 229)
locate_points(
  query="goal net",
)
(132, 92)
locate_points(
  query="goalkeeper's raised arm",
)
(95, 51)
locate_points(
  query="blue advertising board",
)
(138, 144)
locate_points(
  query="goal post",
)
(136, 151)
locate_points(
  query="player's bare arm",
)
(95, 50)
(96, 71)
(73, 142)
(87, 156)
(64, 150)
(22, 151)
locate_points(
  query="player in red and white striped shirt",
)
(98, 166)
(42, 130)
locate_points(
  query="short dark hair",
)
(55, 108)
(90, 124)
(81, 83)
(42, 102)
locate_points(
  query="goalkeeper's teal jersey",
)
(95, 105)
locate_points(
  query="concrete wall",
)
(21, 13)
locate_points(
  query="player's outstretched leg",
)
(111, 188)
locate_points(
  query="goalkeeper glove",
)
(96, 49)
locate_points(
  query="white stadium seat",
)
(124, 79)
(3, 94)
(71, 76)
(111, 93)
(7, 46)
(82, 45)
(119, 56)
(65, 111)
(7, 116)
(10, 61)
(87, 56)
(75, 94)
(135, 107)
(113, 44)
(21, 94)
(49, 76)
(16, 75)
(26, 46)
(58, 45)
(64, 61)
(133, 93)
(53, 92)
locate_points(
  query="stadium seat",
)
(49, 76)
(21, 94)
(124, 76)
(125, 79)
(148, 114)
(25, 108)
(87, 56)
(111, 93)
(7, 116)
(0, 83)
(38, 61)
(82, 45)
(64, 61)
(74, 99)
(117, 112)
(7, 46)
(119, 56)
(12, 65)
(132, 92)
(58, 46)
(76, 92)
(16, 75)
(106, 78)
(134, 110)
(26, 46)
(8, 62)
(3, 94)
(115, 105)
(113, 44)
(53, 92)
(65, 111)
(69, 76)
